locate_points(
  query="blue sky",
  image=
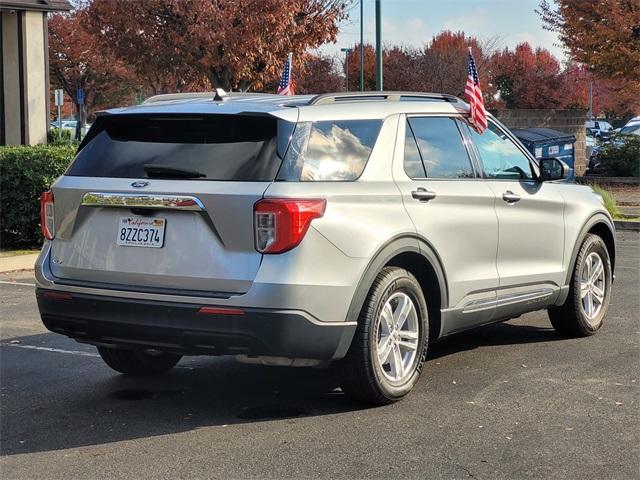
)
(414, 22)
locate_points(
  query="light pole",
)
(379, 86)
(590, 98)
(346, 51)
(362, 45)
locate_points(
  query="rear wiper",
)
(164, 171)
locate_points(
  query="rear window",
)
(335, 150)
(213, 147)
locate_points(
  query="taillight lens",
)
(281, 223)
(46, 215)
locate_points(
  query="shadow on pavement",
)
(54, 401)
(492, 335)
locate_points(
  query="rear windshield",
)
(212, 147)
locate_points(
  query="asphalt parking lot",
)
(512, 400)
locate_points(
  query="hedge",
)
(621, 157)
(26, 172)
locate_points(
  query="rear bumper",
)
(179, 327)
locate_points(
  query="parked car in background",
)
(599, 129)
(352, 229)
(71, 125)
(630, 129)
(633, 121)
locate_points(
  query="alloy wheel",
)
(592, 286)
(397, 336)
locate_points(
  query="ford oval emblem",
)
(140, 184)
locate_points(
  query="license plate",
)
(141, 232)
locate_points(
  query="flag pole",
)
(361, 45)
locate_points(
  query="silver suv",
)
(352, 229)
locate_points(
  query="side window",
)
(412, 161)
(500, 157)
(329, 150)
(440, 147)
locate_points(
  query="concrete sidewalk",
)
(18, 262)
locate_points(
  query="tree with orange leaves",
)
(75, 62)
(526, 78)
(230, 44)
(603, 34)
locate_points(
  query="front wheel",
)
(584, 310)
(390, 345)
(138, 362)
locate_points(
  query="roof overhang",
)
(36, 5)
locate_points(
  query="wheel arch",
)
(601, 225)
(420, 258)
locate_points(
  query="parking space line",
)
(49, 349)
(69, 352)
(5, 282)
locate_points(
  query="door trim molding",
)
(503, 303)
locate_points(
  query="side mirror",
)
(553, 169)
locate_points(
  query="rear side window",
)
(329, 150)
(440, 147)
(214, 147)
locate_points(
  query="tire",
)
(571, 319)
(138, 362)
(363, 377)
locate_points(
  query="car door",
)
(452, 209)
(531, 223)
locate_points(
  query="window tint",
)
(219, 147)
(441, 148)
(329, 150)
(501, 158)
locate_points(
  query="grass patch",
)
(15, 253)
(609, 201)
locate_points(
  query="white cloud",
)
(543, 39)
(472, 22)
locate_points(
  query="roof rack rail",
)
(163, 97)
(389, 96)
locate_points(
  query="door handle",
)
(423, 194)
(510, 197)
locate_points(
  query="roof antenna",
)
(220, 95)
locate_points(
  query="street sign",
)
(59, 95)
(80, 96)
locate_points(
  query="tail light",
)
(281, 223)
(46, 215)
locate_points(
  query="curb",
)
(18, 262)
(622, 225)
(602, 180)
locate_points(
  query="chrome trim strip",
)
(483, 304)
(136, 200)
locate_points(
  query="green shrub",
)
(54, 135)
(621, 157)
(26, 172)
(609, 201)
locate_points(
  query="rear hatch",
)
(165, 203)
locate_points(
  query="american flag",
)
(286, 84)
(472, 89)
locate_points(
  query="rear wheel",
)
(138, 362)
(390, 345)
(584, 310)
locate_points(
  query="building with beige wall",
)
(24, 70)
